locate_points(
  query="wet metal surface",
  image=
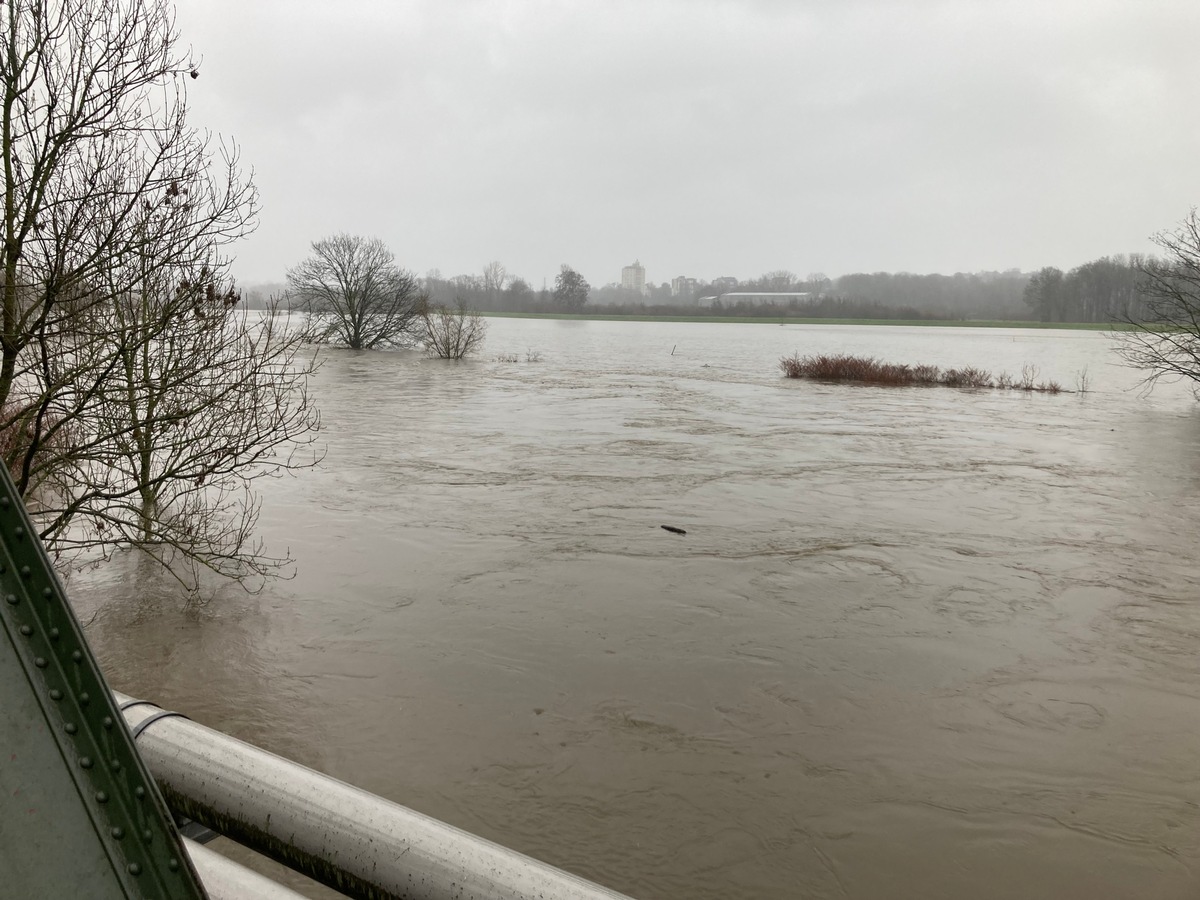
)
(356, 843)
(915, 643)
(78, 811)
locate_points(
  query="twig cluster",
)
(138, 404)
(452, 333)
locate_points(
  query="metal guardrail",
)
(352, 840)
(225, 879)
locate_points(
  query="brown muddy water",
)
(916, 642)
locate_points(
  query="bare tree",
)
(779, 280)
(494, 277)
(1165, 340)
(115, 218)
(354, 295)
(453, 333)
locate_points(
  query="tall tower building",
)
(633, 278)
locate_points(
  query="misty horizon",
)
(836, 138)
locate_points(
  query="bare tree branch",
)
(1165, 340)
(138, 404)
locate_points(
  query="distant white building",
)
(633, 278)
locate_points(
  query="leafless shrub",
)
(968, 377)
(926, 374)
(533, 356)
(867, 370)
(977, 378)
(507, 357)
(452, 333)
(952, 378)
(846, 368)
(793, 366)
(1083, 381)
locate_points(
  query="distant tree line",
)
(978, 295)
(880, 295)
(1109, 289)
(1103, 290)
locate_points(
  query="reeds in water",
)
(868, 370)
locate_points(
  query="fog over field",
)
(706, 138)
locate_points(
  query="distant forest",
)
(1104, 290)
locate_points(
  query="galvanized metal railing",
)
(224, 879)
(352, 840)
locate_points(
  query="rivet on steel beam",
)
(40, 662)
(77, 655)
(116, 765)
(101, 797)
(4, 501)
(147, 835)
(12, 599)
(85, 698)
(25, 570)
(26, 630)
(70, 728)
(85, 762)
(107, 722)
(173, 865)
(19, 532)
(139, 792)
(53, 632)
(118, 832)
(47, 592)
(135, 869)
(55, 694)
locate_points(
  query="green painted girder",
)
(80, 816)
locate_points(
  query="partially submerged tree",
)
(117, 336)
(1165, 340)
(452, 333)
(354, 295)
(201, 399)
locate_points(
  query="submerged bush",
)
(868, 370)
(452, 333)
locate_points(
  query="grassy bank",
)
(795, 320)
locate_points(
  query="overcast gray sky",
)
(706, 137)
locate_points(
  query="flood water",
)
(916, 643)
